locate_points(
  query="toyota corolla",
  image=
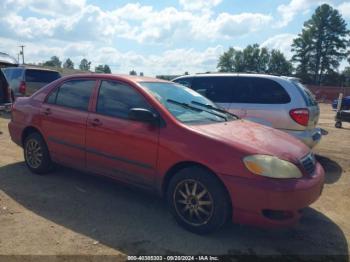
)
(210, 165)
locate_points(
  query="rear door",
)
(117, 146)
(36, 79)
(264, 100)
(63, 121)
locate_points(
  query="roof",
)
(7, 59)
(232, 74)
(118, 76)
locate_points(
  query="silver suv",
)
(280, 102)
(24, 81)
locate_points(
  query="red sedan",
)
(210, 165)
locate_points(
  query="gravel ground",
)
(72, 213)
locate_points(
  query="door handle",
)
(47, 111)
(96, 122)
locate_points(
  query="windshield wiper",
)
(214, 108)
(185, 105)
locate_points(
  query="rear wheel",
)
(338, 124)
(198, 200)
(36, 154)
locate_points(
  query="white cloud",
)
(290, 10)
(229, 26)
(344, 9)
(281, 42)
(199, 4)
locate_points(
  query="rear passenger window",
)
(116, 99)
(256, 90)
(73, 94)
(217, 89)
(42, 76)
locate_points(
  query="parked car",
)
(24, 81)
(280, 102)
(345, 105)
(5, 93)
(7, 60)
(210, 165)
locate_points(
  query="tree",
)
(103, 69)
(227, 60)
(321, 45)
(68, 64)
(54, 62)
(133, 73)
(255, 59)
(141, 73)
(85, 65)
(278, 64)
(107, 69)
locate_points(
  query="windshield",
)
(185, 104)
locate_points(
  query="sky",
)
(152, 36)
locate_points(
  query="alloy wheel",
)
(34, 154)
(193, 202)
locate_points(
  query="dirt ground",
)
(71, 213)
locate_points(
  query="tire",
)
(36, 154)
(183, 203)
(338, 124)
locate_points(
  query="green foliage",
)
(53, 62)
(103, 69)
(68, 64)
(321, 45)
(255, 59)
(85, 65)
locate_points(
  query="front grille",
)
(309, 164)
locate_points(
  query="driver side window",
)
(116, 99)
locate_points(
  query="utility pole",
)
(22, 53)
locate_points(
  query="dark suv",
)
(24, 81)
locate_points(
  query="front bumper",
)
(252, 197)
(309, 137)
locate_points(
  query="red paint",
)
(152, 151)
(300, 115)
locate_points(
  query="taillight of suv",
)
(300, 115)
(22, 88)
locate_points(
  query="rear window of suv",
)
(308, 97)
(41, 76)
(253, 90)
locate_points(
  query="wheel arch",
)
(27, 131)
(181, 165)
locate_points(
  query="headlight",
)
(271, 166)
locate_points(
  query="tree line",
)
(84, 65)
(317, 52)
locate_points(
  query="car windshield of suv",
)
(186, 105)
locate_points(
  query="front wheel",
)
(198, 201)
(36, 154)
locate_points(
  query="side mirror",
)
(143, 115)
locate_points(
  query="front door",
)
(117, 146)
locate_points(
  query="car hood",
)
(253, 138)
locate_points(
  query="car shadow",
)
(333, 170)
(137, 223)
